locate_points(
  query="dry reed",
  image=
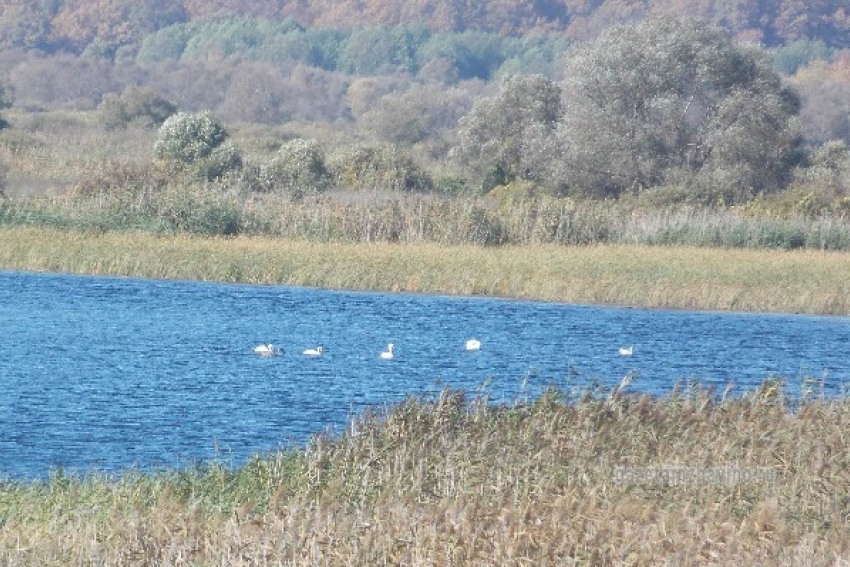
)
(688, 479)
(656, 277)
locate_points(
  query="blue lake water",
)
(110, 373)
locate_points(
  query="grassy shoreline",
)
(688, 479)
(799, 281)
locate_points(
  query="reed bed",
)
(799, 281)
(589, 478)
(163, 206)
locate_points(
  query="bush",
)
(451, 186)
(515, 192)
(195, 143)
(141, 105)
(382, 167)
(298, 168)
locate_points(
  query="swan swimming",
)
(267, 350)
(626, 351)
(388, 354)
(473, 344)
(314, 351)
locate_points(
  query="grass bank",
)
(611, 479)
(798, 281)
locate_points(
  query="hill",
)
(77, 25)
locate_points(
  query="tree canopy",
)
(107, 25)
(672, 101)
(495, 134)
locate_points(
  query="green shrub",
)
(450, 186)
(196, 143)
(381, 167)
(515, 192)
(298, 168)
(140, 105)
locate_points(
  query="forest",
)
(76, 25)
(639, 102)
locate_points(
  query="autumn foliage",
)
(76, 24)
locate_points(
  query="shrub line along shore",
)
(800, 281)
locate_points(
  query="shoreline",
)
(640, 277)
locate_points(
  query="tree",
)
(255, 94)
(416, 115)
(377, 50)
(800, 53)
(112, 23)
(26, 25)
(496, 133)
(472, 54)
(196, 143)
(825, 115)
(78, 81)
(672, 101)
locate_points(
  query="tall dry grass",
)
(158, 204)
(48, 151)
(801, 281)
(566, 479)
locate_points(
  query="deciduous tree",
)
(112, 22)
(495, 135)
(670, 100)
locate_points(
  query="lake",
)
(107, 374)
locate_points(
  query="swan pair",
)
(386, 355)
(271, 350)
(267, 350)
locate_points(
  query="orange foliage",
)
(112, 22)
(836, 70)
(224, 8)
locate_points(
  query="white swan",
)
(473, 344)
(626, 351)
(267, 350)
(314, 351)
(388, 354)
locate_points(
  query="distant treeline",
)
(374, 50)
(106, 25)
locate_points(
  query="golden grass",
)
(54, 150)
(813, 282)
(613, 480)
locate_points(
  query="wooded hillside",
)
(74, 25)
(734, 102)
